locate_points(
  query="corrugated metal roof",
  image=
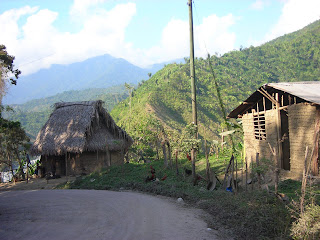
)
(309, 91)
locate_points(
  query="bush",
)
(307, 225)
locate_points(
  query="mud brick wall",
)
(302, 119)
(253, 145)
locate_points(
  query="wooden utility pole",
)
(193, 86)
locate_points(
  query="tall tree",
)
(7, 72)
(13, 143)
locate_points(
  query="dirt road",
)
(93, 214)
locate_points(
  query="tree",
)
(7, 71)
(14, 143)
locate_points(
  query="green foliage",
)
(7, 68)
(308, 224)
(264, 166)
(13, 143)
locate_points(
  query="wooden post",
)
(252, 174)
(27, 171)
(207, 161)
(232, 174)
(169, 154)
(246, 175)
(236, 176)
(258, 173)
(304, 181)
(193, 86)
(227, 171)
(66, 159)
(289, 99)
(193, 160)
(177, 169)
(279, 138)
(97, 155)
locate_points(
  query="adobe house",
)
(79, 138)
(283, 117)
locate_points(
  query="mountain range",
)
(98, 72)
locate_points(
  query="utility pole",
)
(193, 86)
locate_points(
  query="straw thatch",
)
(75, 127)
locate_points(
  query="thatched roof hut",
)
(78, 128)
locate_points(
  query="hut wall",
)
(253, 145)
(302, 118)
(117, 158)
(84, 163)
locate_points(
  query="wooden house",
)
(283, 118)
(79, 138)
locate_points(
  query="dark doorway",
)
(60, 165)
(285, 140)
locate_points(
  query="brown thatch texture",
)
(79, 126)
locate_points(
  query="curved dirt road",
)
(92, 214)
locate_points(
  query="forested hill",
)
(166, 95)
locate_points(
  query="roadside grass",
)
(255, 214)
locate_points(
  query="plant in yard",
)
(307, 226)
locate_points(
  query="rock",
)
(180, 200)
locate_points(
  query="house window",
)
(260, 126)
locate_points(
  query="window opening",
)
(260, 126)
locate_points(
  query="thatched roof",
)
(76, 127)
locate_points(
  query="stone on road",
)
(94, 214)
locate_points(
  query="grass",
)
(245, 215)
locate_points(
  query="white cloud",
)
(102, 31)
(10, 31)
(258, 5)
(80, 7)
(212, 35)
(295, 15)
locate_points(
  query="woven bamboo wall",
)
(253, 145)
(302, 119)
(84, 163)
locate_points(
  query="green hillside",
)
(166, 95)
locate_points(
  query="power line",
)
(197, 15)
(35, 60)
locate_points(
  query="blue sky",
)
(45, 32)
